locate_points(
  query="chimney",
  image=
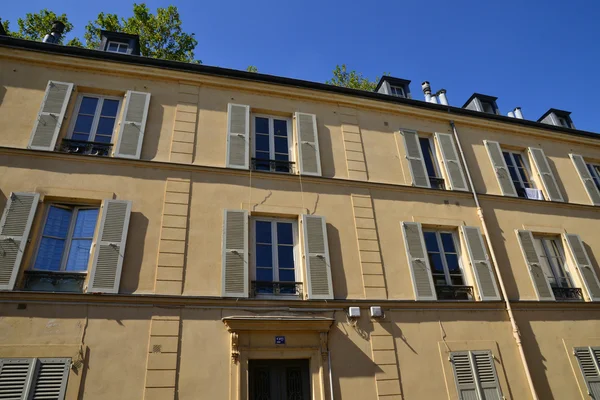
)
(511, 114)
(426, 91)
(442, 96)
(55, 33)
(518, 113)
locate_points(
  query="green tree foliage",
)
(252, 68)
(36, 26)
(351, 79)
(160, 34)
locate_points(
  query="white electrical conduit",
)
(515, 328)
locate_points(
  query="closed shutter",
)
(499, 164)
(584, 266)
(133, 125)
(482, 269)
(235, 253)
(586, 178)
(589, 362)
(545, 174)
(451, 161)
(51, 115)
(418, 261)
(464, 376)
(483, 363)
(316, 255)
(50, 379)
(308, 144)
(14, 232)
(538, 278)
(238, 136)
(14, 377)
(109, 253)
(414, 155)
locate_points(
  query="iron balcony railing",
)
(261, 164)
(567, 293)
(437, 183)
(448, 292)
(87, 148)
(276, 288)
(47, 281)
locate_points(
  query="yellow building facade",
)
(177, 231)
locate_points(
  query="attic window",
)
(397, 91)
(563, 122)
(488, 107)
(116, 47)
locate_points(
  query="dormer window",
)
(397, 91)
(116, 47)
(487, 107)
(563, 122)
(482, 103)
(393, 87)
(557, 118)
(119, 42)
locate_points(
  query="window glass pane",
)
(435, 260)
(428, 156)
(262, 143)
(109, 108)
(452, 261)
(105, 126)
(102, 138)
(85, 223)
(88, 105)
(264, 274)
(84, 124)
(58, 222)
(280, 127)
(439, 280)
(79, 255)
(50, 254)
(287, 275)
(285, 255)
(281, 145)
(431, 241)
(282, 157)
(263, 232)
(457, 280)
(264, 255)
(261, 125)
(508, 159)
(113, 46)
(285, 233)
(123, 48)
(448, 242)
(80, 136)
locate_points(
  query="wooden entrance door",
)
(279, 380)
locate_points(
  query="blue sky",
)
(528, 53)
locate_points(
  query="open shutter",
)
(589, 362)
(545, 174)
(15, 376)
(418, 261)
(316, 255)
(451, 161)
(14, 231)
(414, 155)
(50, 378)
(235, 253)
(463, 375)
(499, 164)
(538, 278)
(308, 144)
(586, 178)
(109, 253)
(482, 269)
(583, 265)
(238, 136)
(51, 115)
(483, 363)
(133, 125)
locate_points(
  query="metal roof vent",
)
(55, 33)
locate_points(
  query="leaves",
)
(252, 68)
(36, 26)
(352, 79)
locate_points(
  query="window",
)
(275, 262)
(272, 144)
(589, 362)
(42, 378)
(446, 269)
(397, 91)
(488, 107)
(433, 171)
(519, 172)
(95, 118)
(475, 375)
(552, 257)
(563, 122)
(595, 173)
(116, 47)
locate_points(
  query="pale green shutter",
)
(545, 174)
(133, 125)
(487, 379)
(235, 253)
(480, 263)
(586, 178)
(14, 231)
(538, 278)
(418, 261)
(49, 380)
(15, 376)
(51, 115)
(316, 255)
(584, 265)
(451, 162)
(414, 155)
(464, 376)
(500, 168)
(109, 252)
(308, 144)
(238, 136)
(589, 362)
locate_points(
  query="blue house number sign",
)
(279, 339)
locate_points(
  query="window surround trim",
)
(119, 44)
(97, 113)
(397, 88)
(458, 248)
(271, 118)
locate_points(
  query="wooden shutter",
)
(109, 253)
(133, 125)
(589, 360)
(49, 380)
(586, 178)
(51, 115)
(451, 161)
(483, 363)
(538, 278)
(499, 164)
(235, 253)
(583, 265)
(414, 155)
(316, 255)
(238, 136)
(545, 174)
(14, 377)
(308, 144)
(464, 376)
(14, 232)
(420, 270)
(482, 269)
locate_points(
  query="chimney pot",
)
(441, 94)
(511, 114)
(426, 91)
(518, 113)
